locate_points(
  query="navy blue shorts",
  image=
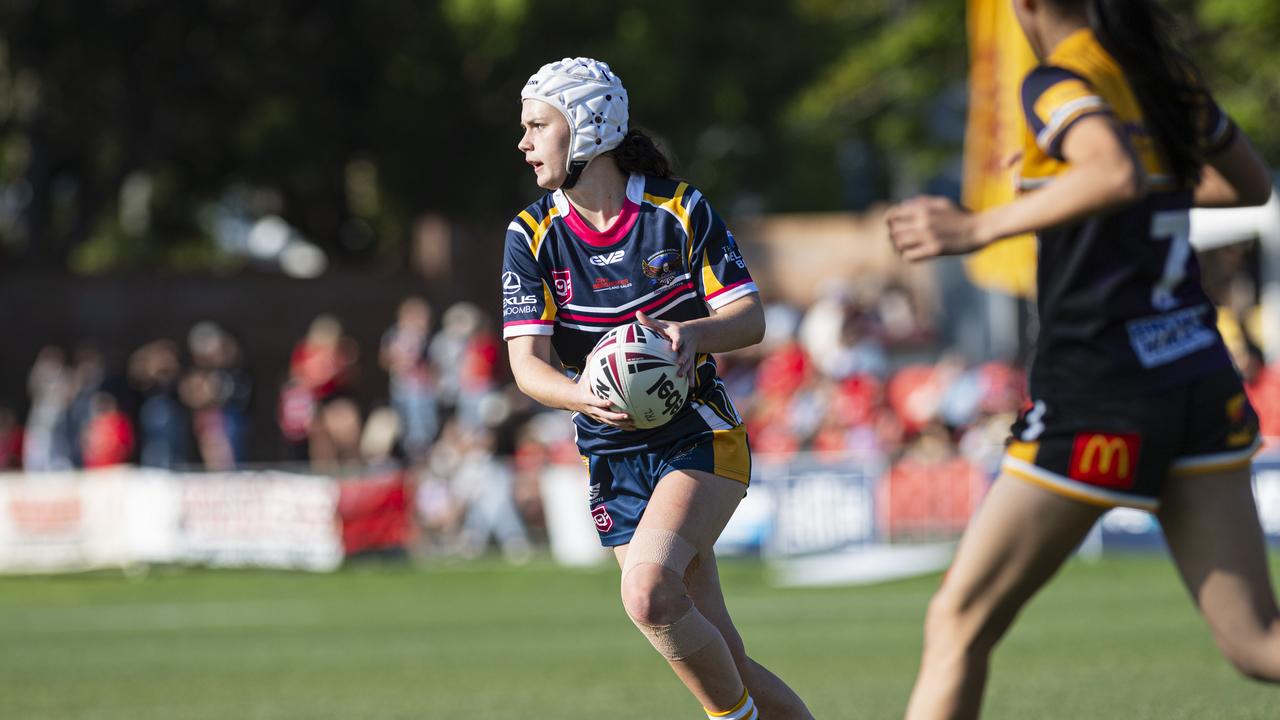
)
(621, 485)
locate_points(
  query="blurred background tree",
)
(139, 134)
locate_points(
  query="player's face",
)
(545, 142)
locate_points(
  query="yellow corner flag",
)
(999, 58)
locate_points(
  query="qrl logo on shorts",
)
(600, 514)
(1106, 460)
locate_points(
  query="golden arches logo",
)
(1107, 450)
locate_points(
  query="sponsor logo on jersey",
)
(600, 284)
(731, 254)
(608, 258)
(519, 305)
(563, 285)
(600, 516)
(510, 283)
(1162, 339)
(662, 268)
(1105, 459)
(593, 494)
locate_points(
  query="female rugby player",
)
(1135, 401)
(618, 239)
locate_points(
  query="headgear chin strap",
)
(575, 171)
(592, 100)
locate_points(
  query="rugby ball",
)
(634, 368)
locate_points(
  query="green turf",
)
(1117, 639)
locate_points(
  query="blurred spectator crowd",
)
(857, 374)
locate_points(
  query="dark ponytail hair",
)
(1166, 83)
(639, 154)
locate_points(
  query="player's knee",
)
(653, 595)
(953, 623)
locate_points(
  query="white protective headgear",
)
(591, 98)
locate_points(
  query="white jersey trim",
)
(723, 299)
(511, 331)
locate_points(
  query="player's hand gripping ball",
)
(634, 368)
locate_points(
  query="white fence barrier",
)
(121, 517)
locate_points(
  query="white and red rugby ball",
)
(634, 368)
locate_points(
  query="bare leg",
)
(1018, 539)
(1211, 523)
(696, 506)
(775, 699)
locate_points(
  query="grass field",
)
(1117, 639)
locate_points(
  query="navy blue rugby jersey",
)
(668, 254)
(1121, 306)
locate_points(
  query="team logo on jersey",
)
(600, 516)
(608, 258)
(563, 285)
(663, 268)
(510, 283)
(1106, 460)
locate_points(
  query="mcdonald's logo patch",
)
(1106, 460)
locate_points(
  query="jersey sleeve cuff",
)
(728, 294)
(518, 328)
(1050, 138)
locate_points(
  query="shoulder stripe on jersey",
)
(672, 205)
(519, 227)
(620, 308)
(694, 197)
(1064, 115)
(539, 228)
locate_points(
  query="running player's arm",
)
(1234, 174)
(1103, 173)
(1072, 124)
(530, 357)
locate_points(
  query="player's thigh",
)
(694, 504)
(1211, 525)
(1016, 541)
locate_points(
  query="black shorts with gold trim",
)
(1118, 451)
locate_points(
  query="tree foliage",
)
(355, 118)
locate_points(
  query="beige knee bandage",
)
(692, 631)
(659, 547)
(682, 638)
